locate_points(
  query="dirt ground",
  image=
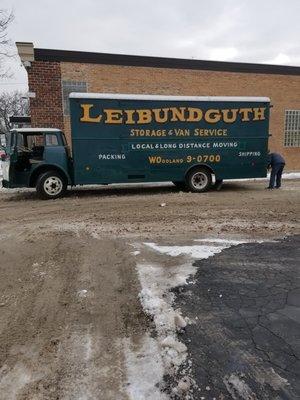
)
(69, 288)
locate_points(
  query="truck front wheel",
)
(199, 180)
(51, 185)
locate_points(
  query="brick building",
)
(53, 74)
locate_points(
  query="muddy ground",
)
(69, 288)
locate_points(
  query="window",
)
(34, 141)
(35, 145)
(292, 128)
(69, 87)
(64, 140)
(51, 139)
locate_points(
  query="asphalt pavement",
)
(244, 336)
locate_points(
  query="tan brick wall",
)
(282, 89)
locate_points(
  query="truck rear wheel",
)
(199, 180)
(51, 185)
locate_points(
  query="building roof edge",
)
(161, 62)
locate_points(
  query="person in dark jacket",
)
(277, 163)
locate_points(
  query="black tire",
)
(199, 180)
(51, 185)
(218, 184)
(180, 185)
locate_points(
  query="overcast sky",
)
(262, 31)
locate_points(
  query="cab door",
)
(19, 166)
(56, 151)
(11, 159)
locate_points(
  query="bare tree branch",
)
(6, 45)
(12, 104)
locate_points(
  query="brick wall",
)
(44, 78)
(282, 89)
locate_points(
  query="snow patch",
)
(194, 251)
(82, 293)
(144, 369)
(291, 175)
(228, 242)
(221, 241)
(157, 301)
(136, 253)
(13, 382)
(287, 175)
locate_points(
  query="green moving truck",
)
(118, 138)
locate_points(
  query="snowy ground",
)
(164, 354)
(96, 287)
(157, 300)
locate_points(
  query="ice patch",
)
(221, 241)
(228, 242)
(194, 251)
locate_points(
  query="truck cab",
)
(37, 157)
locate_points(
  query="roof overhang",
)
(28, 54)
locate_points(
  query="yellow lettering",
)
(86, 114)
(145, 116)
(259, 114)
(195, 115)
(154, 160)
(245, 113)
(161, 114)
(177, 114)
(229, 116)
(129, 116)
(212, 116)
(113, 116)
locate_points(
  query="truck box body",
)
(139, 138)
(135, 138)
